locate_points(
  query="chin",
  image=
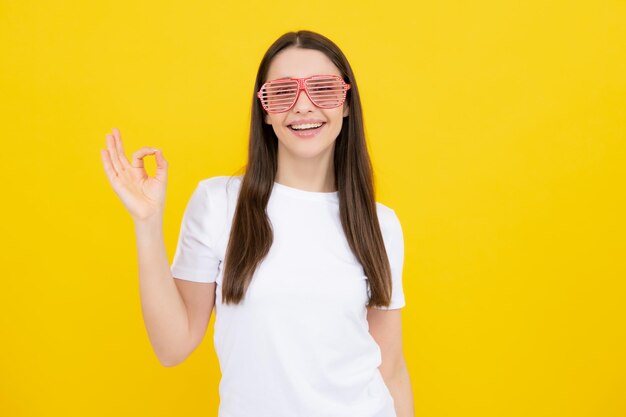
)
(306, 148)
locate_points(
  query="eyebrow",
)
(275, 79)
(284, 78)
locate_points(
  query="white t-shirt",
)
(298, 345)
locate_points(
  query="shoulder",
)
(389, 222)
(220, 189)
(383, 210)
(387, 216)
(221, 192)
(212, 204)
(215, 195)
(220, 183)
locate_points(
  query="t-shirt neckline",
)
(311, 195)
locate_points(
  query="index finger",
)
(120, 147)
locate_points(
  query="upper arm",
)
(385, 322)
(197, 257)
(199, 298)
(385, 326)
(393, 238)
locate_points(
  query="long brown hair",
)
(251, 234)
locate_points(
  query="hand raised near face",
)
(143, 196)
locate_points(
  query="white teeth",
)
(306, 126)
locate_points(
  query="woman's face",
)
(300, 63)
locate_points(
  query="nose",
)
(303, 103)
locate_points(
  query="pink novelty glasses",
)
(325, 91)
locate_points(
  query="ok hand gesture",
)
(143, 196)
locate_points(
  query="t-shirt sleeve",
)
(195, 258)
(394, 244)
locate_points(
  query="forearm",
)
(164, 311)
(399, 385)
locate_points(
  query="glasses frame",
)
(302, 87)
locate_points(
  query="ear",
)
(346, 110)
(266, 118)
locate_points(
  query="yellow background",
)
(497, 131)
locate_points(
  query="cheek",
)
(337, 123)
(335, 132)
(274, 120)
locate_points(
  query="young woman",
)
(302, 265)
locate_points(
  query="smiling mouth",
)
(304, 130)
